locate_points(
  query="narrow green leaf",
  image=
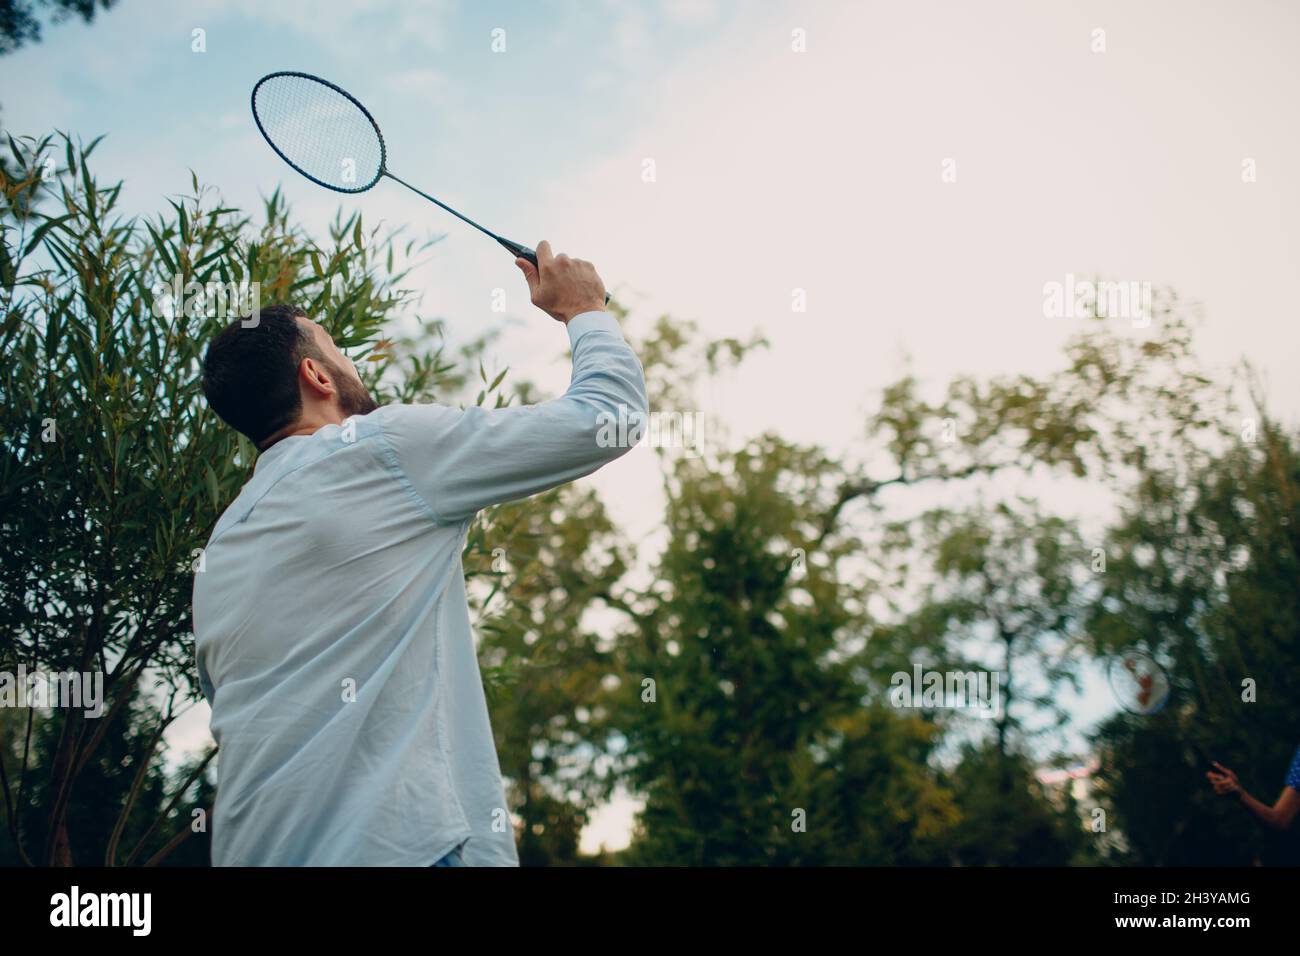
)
(212, 486)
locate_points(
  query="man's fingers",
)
(1220, 766)
(544, 257)
(563, 286)
(529, 271)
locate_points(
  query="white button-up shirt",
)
(333, 634)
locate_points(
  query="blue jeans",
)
(455, 858)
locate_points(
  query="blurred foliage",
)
(549, 559)
(1007, 588)
(1007, 817)
(747, 731)
(1205, 580)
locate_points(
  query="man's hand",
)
(1225, 781)
(562, 287)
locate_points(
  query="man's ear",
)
(316, 378)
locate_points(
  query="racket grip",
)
(523, 252)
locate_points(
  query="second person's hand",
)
(1225, 781)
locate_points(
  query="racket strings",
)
(319, 131)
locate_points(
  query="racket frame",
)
(383, 148)
(1110, 680)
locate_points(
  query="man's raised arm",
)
(460, 461)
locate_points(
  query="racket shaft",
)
(516, 249)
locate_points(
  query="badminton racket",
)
(327, 135)
(1140, 685)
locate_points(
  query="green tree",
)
(1007, 817)
(1007, 590)
(747, 731)
(120, 774)
(1003, 588)
(1202, 577)
(546, 562)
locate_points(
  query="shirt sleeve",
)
(462, 460)
(1293, 775)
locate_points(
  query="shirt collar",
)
(276, 450)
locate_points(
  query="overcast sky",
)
(794, 146)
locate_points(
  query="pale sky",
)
(774, 171)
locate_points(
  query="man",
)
(330, 620)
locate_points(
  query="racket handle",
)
(523, 252)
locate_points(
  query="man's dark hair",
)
(250, 375)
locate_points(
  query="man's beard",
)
(353, 397)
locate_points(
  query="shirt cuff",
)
(586, 322)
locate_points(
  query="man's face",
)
(353, 397)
